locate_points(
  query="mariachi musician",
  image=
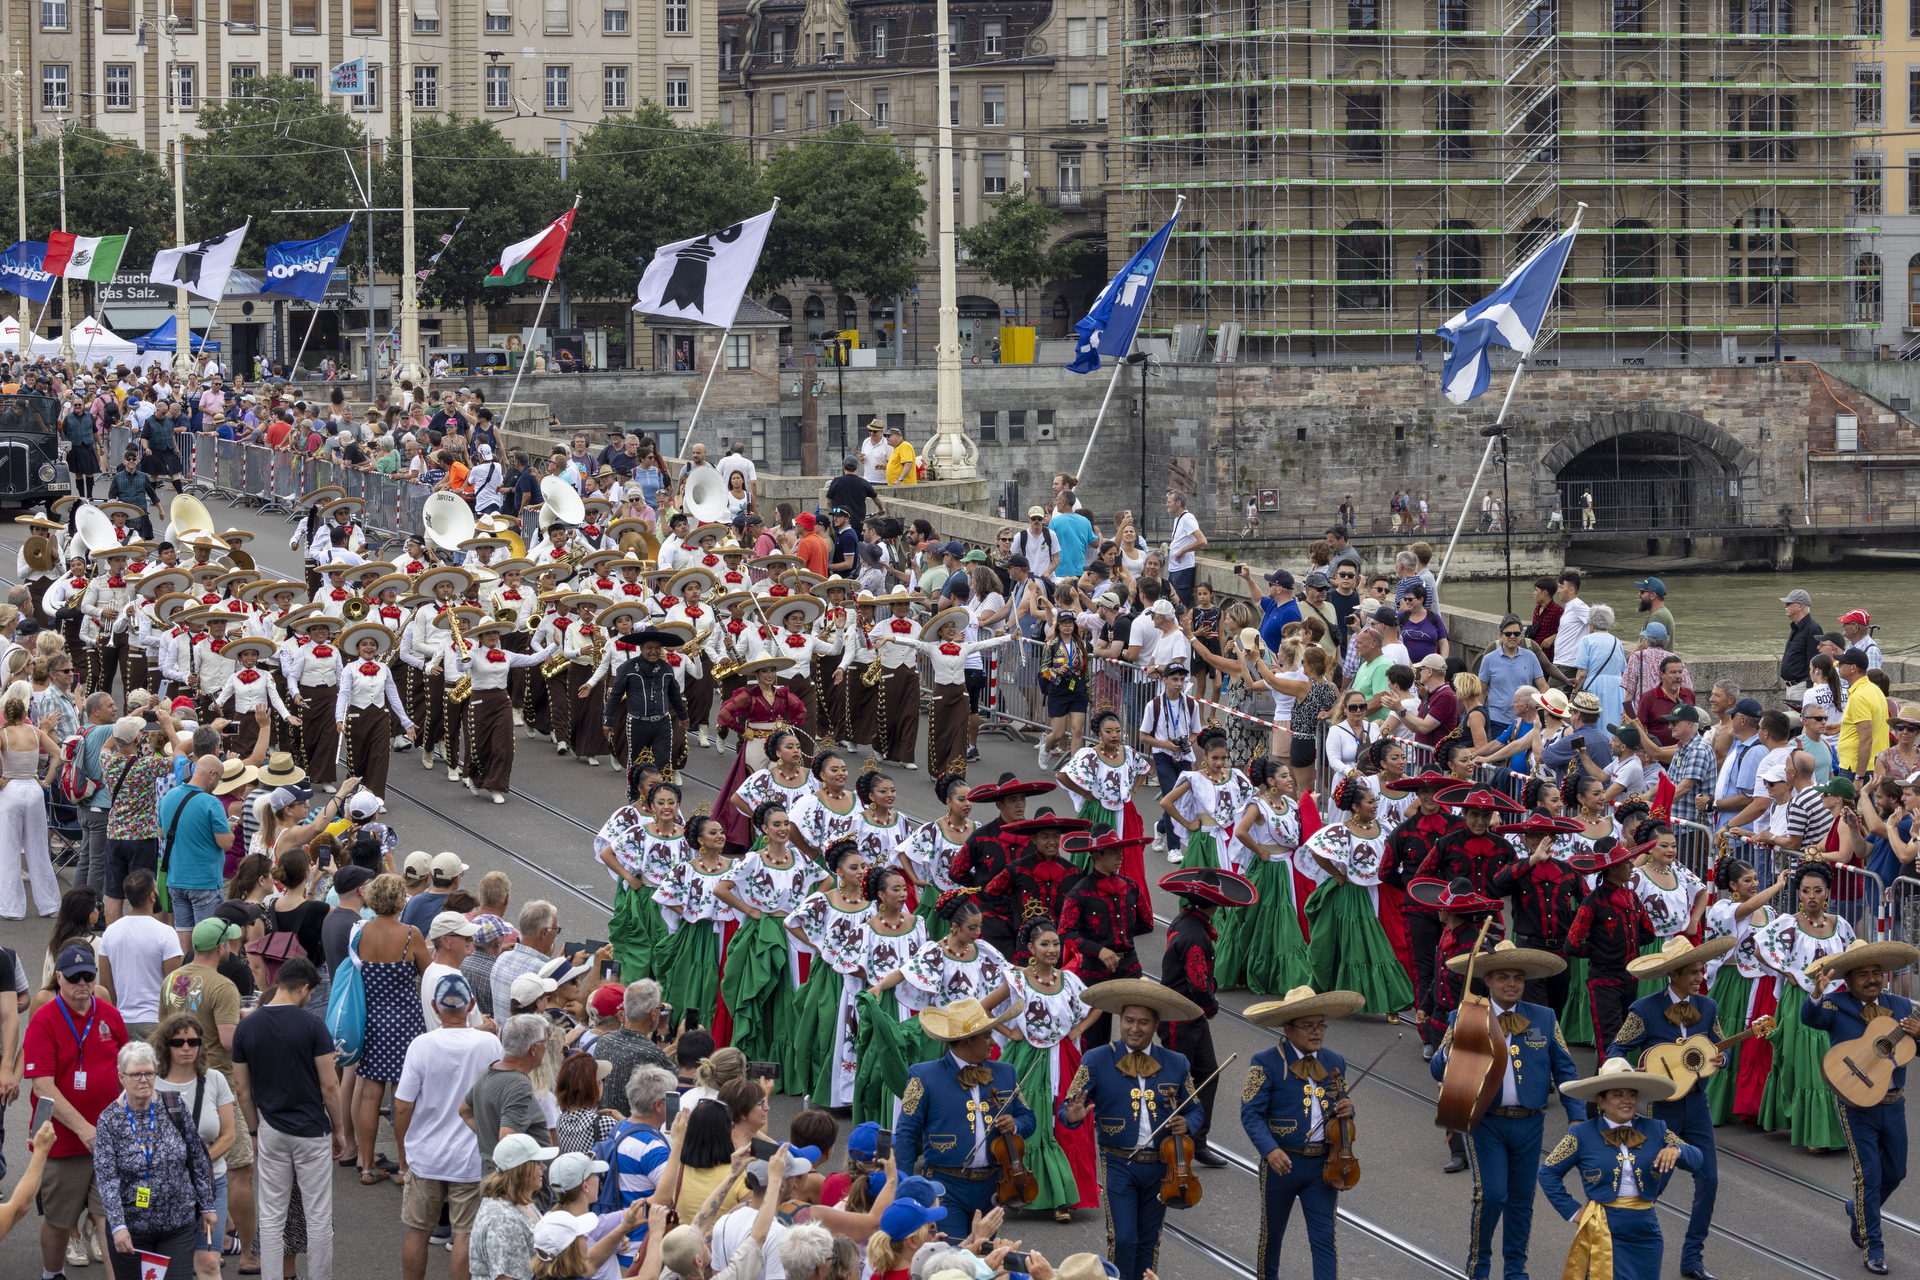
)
(513, 601)
(956, 1103)
(61, 607)
(247, 690)
(422, 647)
(1187, 967)
(831, 634)
(360, 709)
(37, 564)
(489, 713)
(585, 645)
(314, 676)
(108, 604)
(690, 587)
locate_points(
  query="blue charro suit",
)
(937, 1119)
(1690, 1116)
(1118, 1104)
(1632, 1221)
(1876, 1136)
(1504, 1148)
(1276, 1111)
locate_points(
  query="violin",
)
(1180, 1189)
(1018, 1187)
(1477, 1062)
(1342, 1170)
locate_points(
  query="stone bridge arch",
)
(1649, 469)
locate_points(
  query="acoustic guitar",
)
(1687, 1062)
(1861, 1071)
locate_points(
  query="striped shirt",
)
(1807, 817)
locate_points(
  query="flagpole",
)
(110, 275)
(1121, 359)
(313, 317)
(526, 357)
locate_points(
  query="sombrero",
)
(1089, 845)
(751, 670)
(1115, 994)
(39, 521)
(1009, 788)
(259, 592)
(486, 623)
(1466, 796)
(634, 611)
(961, 1020)
(677, 584)
(251, 644)
(469, 616)
(1426, 781)
(125, 508)
(672, 633)
(1539, 824)
(395, 581)
(368, 572)
(1607, 852)
(1046, 820)
(1302, 1002)
(234, 537)
(338, 505)
(572, 601)
(1617, 1073)
(778, 610)
(773, 564)
(232, 582)
(323, 492)
(202, 539)
(825, 585)
(483, 540)
(930, 630)
(1859, 954)
(1529, 961)
(206, 572)
(162, 582)
(170, 604)
(350, 638)
(1676, 954)
(714, 531)
(1456, 897)
(1207, 884)
(455, 577)
(519, 564)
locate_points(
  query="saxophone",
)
(558, 662)
(461, 689)
(872, 676)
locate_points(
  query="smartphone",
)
(1016, 1262)
(609, 970)
(42, 1112)
(231, 731)
(693, 1020)
(883, 1145)
(764, 1070)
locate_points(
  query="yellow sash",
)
(1591, 1257)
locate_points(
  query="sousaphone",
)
(706, 496)
(94, 531)
(187, 515)
(560, 503)
(448, 520)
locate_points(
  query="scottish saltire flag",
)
(1110, 324)
(1509, 317)
(302, 268)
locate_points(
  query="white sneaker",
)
(499, 797)
(702, 735)
(77, 1252)
(94, 1246)
(453, 772)
(426, 759)
(845, 745)
(718, 745)
(1175, 855)
(1040, 752)
(1159, 844)
(535, 733)
(909, 765)
(518, 718)
(561, 748)
(328, 787)
(470, 786)
(592, 760)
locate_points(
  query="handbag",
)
(347, 1006)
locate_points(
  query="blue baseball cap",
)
(920, 1190)
(864, 1141)
(1655, 631)
(904, 1217)
(1654, 585)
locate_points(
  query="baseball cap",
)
(798, 1166)
(209, 934)
(516, 1149)
(1432, 662)
(1797, 596)
(492, 927)
(447, 867)
(1855, 656)
(1837, 786)
(849, 462)
(1654, 585)
(451, 923)
(572, 1169)
(350, 878)
(864, 1142)
(1036, 511)
(607, 998)
(417, 865)
(1685, 711)
(1748, 707)
(1281, 578)
(128, 729)
(1162, 608)
(554, 1234)
(904, 1217)
(1775, 772)
(1317, 581)
(529, 987)
(452, 993)
(76, 959)
(1857, 617)
(920, 1190)
(241, 912)
(954, 548)
(561, 970)
(364, 805)
(284, 798)
(1628, 735)
(1654, 631)
(975, 556)
(1106, 600)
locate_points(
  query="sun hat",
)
(1676, 954)
(1617, 1073)
(1115, 994)
(961, 1020)
(1304, 1002)
(529, 987)
(516, 1149)
(1505, 955)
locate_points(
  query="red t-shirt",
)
(53, 1050)
(277, 434)
(1440, 704)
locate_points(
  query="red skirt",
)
(1393, 919)
(1078, 1143)
(1133, 865)
(1756, 1055)
(1303, 886)
(722, 1020)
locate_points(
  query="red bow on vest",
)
(778, 590)
(496, 655)
(369, 668)
(591, 530)
(633, 589)
(563, 622)
(673, 659)
(236, 606)
(586, 628)
(709, 560)
(248, 676)
(901, 626)
(212, 597)
(322, 651)
(695, 611)
(414, 566)
(303, 639)
(667, 602)
(733, 577)
(389, 611)
(79, 584)
(510, 594)
(796, 642)
(215, 646)
(116, 583)
(556, 554)
(339, 593)
(605, 584)
(950, 649)
(139, 567)
(735, 627)
(625, 646)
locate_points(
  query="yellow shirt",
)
(697, 1184)
(1866, 715)
(900, 465)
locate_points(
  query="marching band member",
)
(510, 592)
(1504, 1148)
(940, 639)
(793, 641)
(203, 577)
(173, 642)
(1624, 1163)
(954, 1104)
(673, 544)
(315, 678)
(866, 721)
(144, 643)
(733, 644)
(1876, 1135)
(488, 717)
(39, 578)
(1261, 946)
(831, 632)
(1138, 1094)
(582, 647)
(61, 606)
(1284, 1109)
(417, 558)
(246, 690)
(899, 679)
(423, 648)
(647, 688)
(107, 603)
(211, 665)
(766, 964)
(691, 587)
(367, 691)
(1187, 966)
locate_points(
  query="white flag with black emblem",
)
(703, 279)
(201, 269)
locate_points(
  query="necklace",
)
(953, 955)
(852, 900)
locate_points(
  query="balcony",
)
(1073, 199)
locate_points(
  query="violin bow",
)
(1193, 1093)
(995, 1117)
(1348, 1088)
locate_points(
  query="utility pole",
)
(182, 301)
(20, 173)
(409, 365)
(950, 452)
(66, 298)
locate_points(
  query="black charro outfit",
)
(1103, 912)
(1187, 967)
(1408, 849)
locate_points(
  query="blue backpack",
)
(608, 1149)
(347, 1006)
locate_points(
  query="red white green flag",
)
(537, 258)
(83, 257)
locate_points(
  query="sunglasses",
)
(183, 1044)
(1510, 635)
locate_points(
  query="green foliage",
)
(110, 187)
(849, 215)
(644, 181)
(283, 146)
(1010, 247)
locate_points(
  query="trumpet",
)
(356, 608)
(873, 674)
(461, 689)
(506, 613)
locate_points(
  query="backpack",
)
(608, 1149)
(347, 1006)
(275, 948)
(70, 782)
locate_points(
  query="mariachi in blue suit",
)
(1276, 1111)
(1628, 1218)
(949, 1108)
(1877, 1135)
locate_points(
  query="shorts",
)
(1066, 701)
(976, 689)
(190, 906)
(421, 1200)
(240, 1154)
(125, 857)
(67, 1190)
(213, 1240)
(1301, 753)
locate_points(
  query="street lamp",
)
(916, 326)
(1419, 299)
(66, 298)
(182, 316)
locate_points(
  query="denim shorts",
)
(215, 1240)
(190, 906)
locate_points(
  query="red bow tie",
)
(736, 627)
(116, 583)
(414, 566)
(389, 611)
(216, 646)
(556, 554)
(633, 589)
(236, 606)
(79, 584)
(322, 651)
(667, 602)
(248, 676)
(625, 646)
(369, 668)
(586, 628)
(901, 626)
(591, 530)
(695, 611)
(496, 655)
(778, 590)
(605, 584)
(339, 593)
(674, 659)
(796, 642)
(137, 568)
(734, 577)
(563, 623)
(950, 649)
(212, 597)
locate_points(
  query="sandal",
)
(232, 1248)
(382, 1162)
(368, 1177)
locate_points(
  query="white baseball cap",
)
(451, 922)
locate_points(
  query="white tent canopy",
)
(91, 341)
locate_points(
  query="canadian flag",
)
(153, 1266)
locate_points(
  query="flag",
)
(537, 257)
(301, 268)
(153, 1266)
(84, 257)
(200, 268)
(23, 270)
(1110, 324)
(348, 77)
(1509, 317)
(704, 279)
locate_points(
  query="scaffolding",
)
(1357, 172)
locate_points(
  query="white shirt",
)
(1144, 634)
(429, 982)
(978, 1158)
(1181, 544)
(1509, 1090)
(735, 462)
(137, 946)
(1038, 548)
(873, 456)
(1396, 654)
(1171, 648)
(1316, 1117)
(1573, 629)
(440, 1067)
(736, 1227)
(1629, 1185)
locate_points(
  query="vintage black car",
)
(32, 470)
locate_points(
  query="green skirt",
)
(1797, 1097)
(1260, 946)
(637, 933)
(759, 995)
(1098, 814)
(1650, 986)
(886, 1048)
(1201, 852)
(1731, 992)
(1045, 1160)
(1576, 1016)
(689, 965)
(936, 927)
(816, 1039)
(1350, 950)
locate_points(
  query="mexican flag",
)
(84, 257)
(537, 258)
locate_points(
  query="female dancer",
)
(959, 966)
(785, 781)
(882, 830)
(699, 926)
(766, 965)
(367, 692)
(1797, 1098)
(1261, 947)
(752, 714)
(1675, 899)
(831, 813)
(830, 922)
(928, 853)
(889, 1041)
(1744, 988)
(1104, 776)
(1049, 1017)
(635, 929)
(663, 847)
(1205, 801)
(1348, 944)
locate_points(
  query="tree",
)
(1010, 247)
(509, 195)
(644, 180)
(111, 187)
(849, 214)
(281, 146)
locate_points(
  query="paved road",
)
(1406, 1219)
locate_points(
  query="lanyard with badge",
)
(143, 1193)
(80, 1041)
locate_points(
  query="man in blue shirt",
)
(1505, 669)
(101, 712)
(194, 841)
(1277, 605)
(1075, 533)
(1733, 788)
(1559, 753)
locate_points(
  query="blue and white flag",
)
(348, 77)
(301, 268)
(23, 271)
(1509, 317)
(1110, 324)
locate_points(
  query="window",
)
(308, 73)
(1755, 233)
(1069, 173)
(240, 81)
(836, 430)
(1453, 268)
(1868, 19)
(993, 171)
(1363, 15)
(613, 17)
(1913, 17)
(882, 106)
(1629, 17)
(119, 86)
(1866, 176)
(1913, 92)
(116, 15)
(366, 15)
(953, 104)
(836, 107)
(246, 13)
(726, 115)
(426, 88)
(1540, 132)
(1250, 125)
(779, 44)
(181, 81)
(1364, 119)
(757, 451)
(559, 17)
(1761, 115)
(1076, 104)
(499, 87)
(1100, 37)
(1453, 15)
(53, 86)
(839, 46)
(53, 15)
(1913, 184)
(556, 148)
(182, 11)
(956, 31)
(1453, 114)
(989, 424)
(1076, 37)
(877, 42)
(779, 113)
(499, 17)
(559, 87)
(1759, 274)
(991, 36)
(370, 100)
(820, 47)
(678, 99)
(790, 438)
(1629, 116)
(1867, 106)
(676, 23)
(1760, 17)
(304, 15)
(426, 16)
(1363, 263)
(1866, 288)
(1633, 260)
(1016, 424)
(993, 104)
(613, 88)
(813, 110)
(1100, 103)
(739, 351)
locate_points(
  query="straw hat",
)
(1530, 962)
(1555, 703)
(339, 505)
(930, 630)
(432, 578)
(162, 582)
(961, 1020)
(1859, 954)
(750, 671)
(469, 616)
(323, 494)
(258, 647)
(1618, 1073)
(1676, 954)
(811, 607)
(169, 605)
(233, 776)
(633, 610)
(1115, 994)
(676, 585)
(1301, 1002)
(350, 638)
(281, 771)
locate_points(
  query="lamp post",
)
(182, 316)
(1419, 301)
(408, 366)
(916, 326)
(19, 78)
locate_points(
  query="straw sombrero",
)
(350, 638)
(931, 629)
(1115, 994)
(1302, 1002)
(1618, 1073)
(1859, 954)
(1677, 953)
(1529, 961)
(255, 645)
(961, 1020)
(432, 578)
(751, 670)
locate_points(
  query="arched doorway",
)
(1073, 294)
(979, 326)
(1652, 471)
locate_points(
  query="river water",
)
(1718, 614)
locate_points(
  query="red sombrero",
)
(1463, 796)
(1087, 844)
(1009, 788)
(1045, 820)
(1456, 897)
(1426, 781)
(1607, 852)
(1206, 884)
(1539, 824)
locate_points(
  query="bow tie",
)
(1514, 1023)
(1683, 1014)
(1625, 1136)
(1868, 1012)
(1309, 1069)
(976, 1076)
(1138, 1065)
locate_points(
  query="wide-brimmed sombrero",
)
(1212, 885)
(468, 616)
(1453, 896)
(1676, 954)
(1859, 954)
(1539, 824)
(1606, 852)
(1467, 796)
(930, 630)
(961, 1020)
(162, 582)
(1046, 820)
(751, 670)
(1304, 1002)
(1091, 844)
(452, 575)
(779, 610)
(1530, 961)
(1009, 788)
(1426, 782)
(1618, 1073)
(258, 647)
(1115, 994)
(350, 638)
